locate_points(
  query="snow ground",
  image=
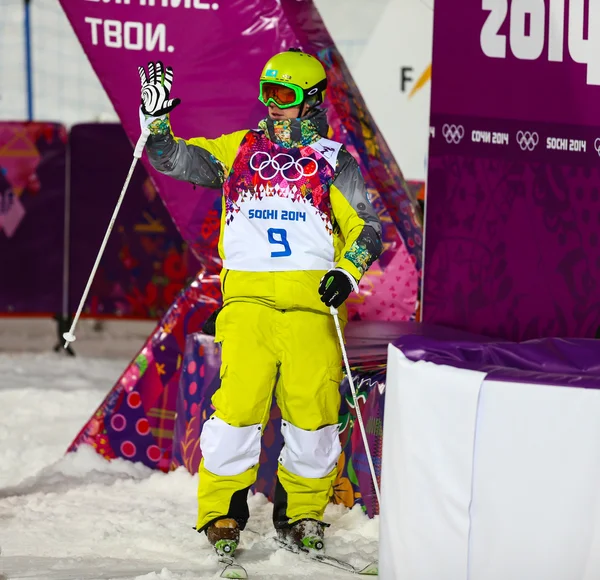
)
(78, 517)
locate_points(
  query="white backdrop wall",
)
(393, 73)
(379, 39)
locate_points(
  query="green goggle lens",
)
(283, 95)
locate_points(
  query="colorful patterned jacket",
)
(294, 202)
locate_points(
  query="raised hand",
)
(156, 88)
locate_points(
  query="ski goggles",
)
(284, 95)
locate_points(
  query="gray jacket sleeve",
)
(185, 162)
(367, 246)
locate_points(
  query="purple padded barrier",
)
(571, 362)
(32, 208)
(367, 341)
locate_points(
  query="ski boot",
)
(306, 535)
(224, 535)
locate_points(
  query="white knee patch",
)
(310, 453)
(229, 450)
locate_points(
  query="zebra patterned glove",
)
(155, 90)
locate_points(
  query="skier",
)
(297, 233)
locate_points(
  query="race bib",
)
(278, 210)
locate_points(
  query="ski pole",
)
(361, 424)
(137, 153)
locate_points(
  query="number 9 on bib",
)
(278, 237)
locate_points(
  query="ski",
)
(371, 569)
(231, 568)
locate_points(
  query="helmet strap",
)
(312, 106)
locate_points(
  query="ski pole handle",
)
(141, 143)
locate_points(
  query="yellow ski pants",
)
(259, 343)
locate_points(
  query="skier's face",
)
(278, 114)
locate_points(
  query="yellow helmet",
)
(292, 78)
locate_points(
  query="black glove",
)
(156, 89)
(335, 287)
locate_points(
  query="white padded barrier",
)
(487, 480)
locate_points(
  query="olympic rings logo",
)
(527, 140)
(282, 164)
(453, 133)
